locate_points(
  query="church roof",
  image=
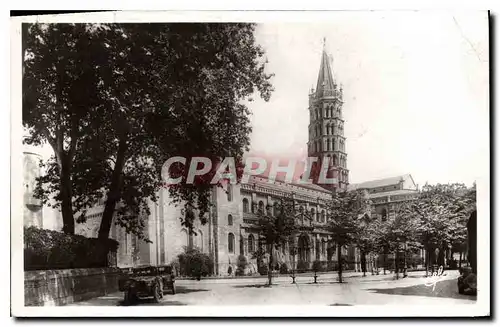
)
(325, 76)
(382, 182)
(280, 179)
(392, 193)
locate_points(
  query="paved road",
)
(356, 290)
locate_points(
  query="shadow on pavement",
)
(444, 288)
(340, 304)
(166, 298)
(185, 290)
(254, 286)
(148, 301)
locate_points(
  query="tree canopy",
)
(114, 101)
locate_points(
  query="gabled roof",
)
(382, 182)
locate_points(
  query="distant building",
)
(386, 193)
(32, 207)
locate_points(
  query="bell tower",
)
(326, 126)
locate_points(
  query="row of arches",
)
(259, 207)
(329, 144)
(328, 111)
(319, 216)
(329, 129)
(344, 176)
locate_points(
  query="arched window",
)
(261, 207)
(313, 214)
(190, 240)
(229, 192)
(328, 144)
(230, 220)
(384, 214)
(251, 244)
(245, 205)
(184, 237)
(323, 247)
(230, 243)
(323, 216)
(200, 240)
(334, 160)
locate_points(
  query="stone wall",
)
(60, 287)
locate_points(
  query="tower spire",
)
(326, 84)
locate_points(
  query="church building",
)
(228, 232)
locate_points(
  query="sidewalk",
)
(376, 290)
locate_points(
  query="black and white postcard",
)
(330, 163)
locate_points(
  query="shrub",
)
(331, 266)
(194, 263)
(242, 264)
(263, 269)
(302, 266)
(283, 268)
(317, 266)
(46, 249)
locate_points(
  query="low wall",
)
(60, 287)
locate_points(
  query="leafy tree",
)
(275, 228)
(345, 211)
(116, 100)
(62, 92)
(442, 210)
(366, 240)
(399, 233)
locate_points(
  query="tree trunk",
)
(385, 257)
(66, 199)
(339, 259)
(113, 193)
(269, 271)
(427, 259)
(363, 263)
(396, 270)
(460, 260)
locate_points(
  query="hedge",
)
(194, 263)
(46, 250)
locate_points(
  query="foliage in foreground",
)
(194, 263)
(47, 250)
(114, 101)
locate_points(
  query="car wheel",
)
(157, 293)
(460, 290)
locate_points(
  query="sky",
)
(415, 92)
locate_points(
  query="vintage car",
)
(146, 281)
(467, 282)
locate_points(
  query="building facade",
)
(228, 232)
